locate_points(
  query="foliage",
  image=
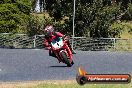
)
(94, 19)
(12, 14)
(130, 11)
(59, 8)
(116, 29)
(130, 31)
(33, 4)
(121, 29)
(35, 24)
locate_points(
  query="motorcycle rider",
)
(49, 35)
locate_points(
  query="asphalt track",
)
(29, 64)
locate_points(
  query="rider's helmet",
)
(49, 30)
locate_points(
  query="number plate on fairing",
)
(57, 43)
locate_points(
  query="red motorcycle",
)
(62, 51)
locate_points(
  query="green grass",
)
(61, 84)
(124, 45)
(127, 26)
(41, 15)
(84, 86)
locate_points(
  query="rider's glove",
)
(66, 38)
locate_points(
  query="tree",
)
(96, 18)
(93, 17)
(12, 14)
(33, 4)
(41, 4)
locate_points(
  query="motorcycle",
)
(62, 51)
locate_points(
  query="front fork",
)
(67, 52)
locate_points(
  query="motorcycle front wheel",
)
(66, 60)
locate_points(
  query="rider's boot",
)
(73, 52)
(72, 62)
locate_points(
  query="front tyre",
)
(66, 60)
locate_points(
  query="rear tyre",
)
(66, 60)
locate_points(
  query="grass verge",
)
(60, 84)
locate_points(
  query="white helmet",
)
(49, 29)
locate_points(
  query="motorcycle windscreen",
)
(57, 43)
